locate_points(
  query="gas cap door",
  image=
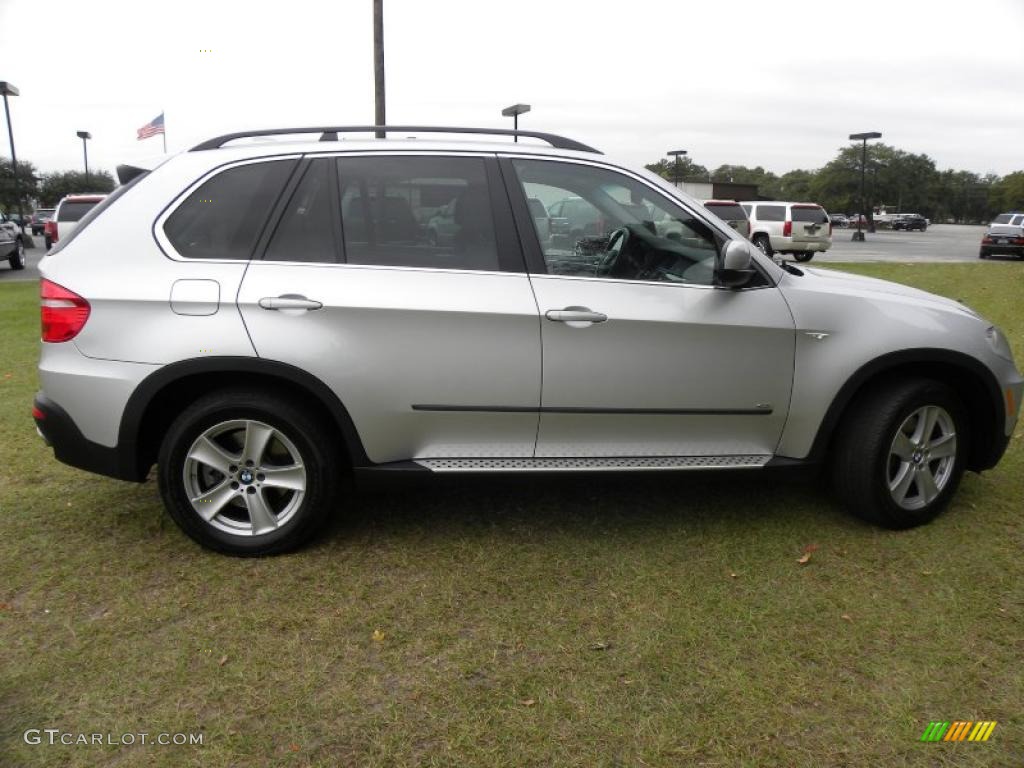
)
(195, 297)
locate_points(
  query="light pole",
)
(858, 236)
(676, 153)
(378, 65)
(85, 136)
(874, 189)
(514, 112)
(9, 90)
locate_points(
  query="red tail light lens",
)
(787, 229)
(63, 312)
(986, 239)
(1019, 241)
(50, 228)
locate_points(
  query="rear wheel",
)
(803, 255)
(248, 473)
(983, 254)
(899, 456)
(762, 242)
(17, 259)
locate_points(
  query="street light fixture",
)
(85, 136)
(676, 153)
(9, 90)
(514, 112)
(858, 236)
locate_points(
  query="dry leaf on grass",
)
(527, 702)
(600, 646)
(378, 635)
(846, 617)
(223, 661)
(805, 559)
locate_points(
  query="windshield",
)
(74, 211)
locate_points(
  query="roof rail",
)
(330, 133)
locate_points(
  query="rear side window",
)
(1003, 218)
(305, 232)
(430, 212)
(223, 218)
(771, 212)
(727, 211)
(810, 214)
(1018, 220)
(74, 211)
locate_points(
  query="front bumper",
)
(71, 447)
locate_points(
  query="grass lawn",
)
(582, 621)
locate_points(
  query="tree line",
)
(898, 180)
(47, 188)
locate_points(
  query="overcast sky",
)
(779, 84)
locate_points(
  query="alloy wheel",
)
(921, 457)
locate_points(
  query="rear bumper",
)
(71, 447)
(1003, 249)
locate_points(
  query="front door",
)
(643, 356)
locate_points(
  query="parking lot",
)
(940, 243)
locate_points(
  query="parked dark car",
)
(910, 222)
(12, 242)
(39, 218)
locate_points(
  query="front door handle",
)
(575, 315)
(289, 302)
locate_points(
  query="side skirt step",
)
(595, 464)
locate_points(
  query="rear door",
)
(810, 224)
(432, 346)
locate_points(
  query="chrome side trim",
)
(588, 464)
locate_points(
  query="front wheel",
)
(248, 473)
(17, 259)
(899, 457)
(803, 255)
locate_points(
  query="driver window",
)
(592, 222)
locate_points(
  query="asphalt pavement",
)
(939, 243)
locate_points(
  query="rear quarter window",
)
(1002, 218)
(224, 217)
(771, 212)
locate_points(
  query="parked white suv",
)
(799, 229)
(258, 319)
(70, 210)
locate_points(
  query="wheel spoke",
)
(929, 416)
(209, 504)
(926, 485)
(293, 477)
(212, 455)
(260, 515)
(902, 446)
(943, 447)
(901, 484)
(256, 438)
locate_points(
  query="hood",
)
(834, 281)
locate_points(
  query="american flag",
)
(152, 128)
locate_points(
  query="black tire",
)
(17, 259)
(762, 242)
(318, 451)
(49, 242)
(862, 463)
(803, 255)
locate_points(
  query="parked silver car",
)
(257, 319)
(12, 243)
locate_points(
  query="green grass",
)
(639, 621)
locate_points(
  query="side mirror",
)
(735, 270)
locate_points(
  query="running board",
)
(595, 464)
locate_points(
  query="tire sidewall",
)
(931, 393)
(314, 451)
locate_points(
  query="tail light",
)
(63, 312)
(830, 227)
(50, 229)
(787, 229)
(986, 240)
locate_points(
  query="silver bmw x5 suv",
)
(256, 319)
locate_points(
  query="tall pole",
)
(85, 156)
(14, 161)
(858, 236)
(378, 64)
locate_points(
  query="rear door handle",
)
(575, 315)
(289, 302)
